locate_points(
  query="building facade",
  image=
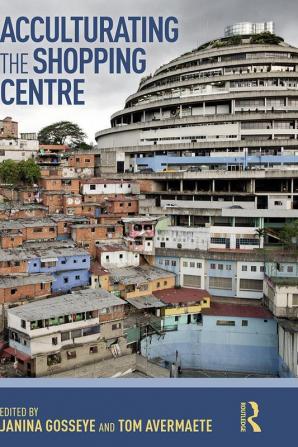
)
(62, 333)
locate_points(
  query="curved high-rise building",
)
(211, 137)
(233, 101)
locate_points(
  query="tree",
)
(266, 38)
(29, 171)
(260, 233)
(9, 172)
(289, 234)
(26, 172)
(62, 132)
(85, 146)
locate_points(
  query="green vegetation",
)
(289, 234)
(63, 132)
(284, 281)
(230, 41)
(18, 173)
(266, 38)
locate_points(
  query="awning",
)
(15, 353)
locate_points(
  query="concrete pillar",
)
(233, 106)
(253, 185)
(213, 185)
(233, 241)
(189, 220)
(181, 185)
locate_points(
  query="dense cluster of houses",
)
(86, 277)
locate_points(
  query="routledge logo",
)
(249, 412)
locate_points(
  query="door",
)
(120, 167)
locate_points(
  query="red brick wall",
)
(55, 184)
(81, 161)
(50, 184)
(8, 128)
(106, 219)
(121, 207)
(11, 241)
(99, 233)
(26, 196)
(85, 237)
(22, 292)
(54, 202)
(44, 233)
(51, 172)
(23, 214)
(6, 269)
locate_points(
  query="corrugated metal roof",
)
(14, 281)
(137, 275)
(145, 302)
(81, 301)
(237, 310)
(34, 252)
(181, 295)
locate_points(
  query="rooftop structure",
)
(41, 250)
(237, 310)
(146, 302)
(81, 301)
(181, 295)
(16, 281)
(137, 275)
(248, 28)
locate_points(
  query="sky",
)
(199, 21)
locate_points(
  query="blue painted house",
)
(169, 263)
(69, 266)
(228, 337)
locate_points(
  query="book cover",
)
(148, 222)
